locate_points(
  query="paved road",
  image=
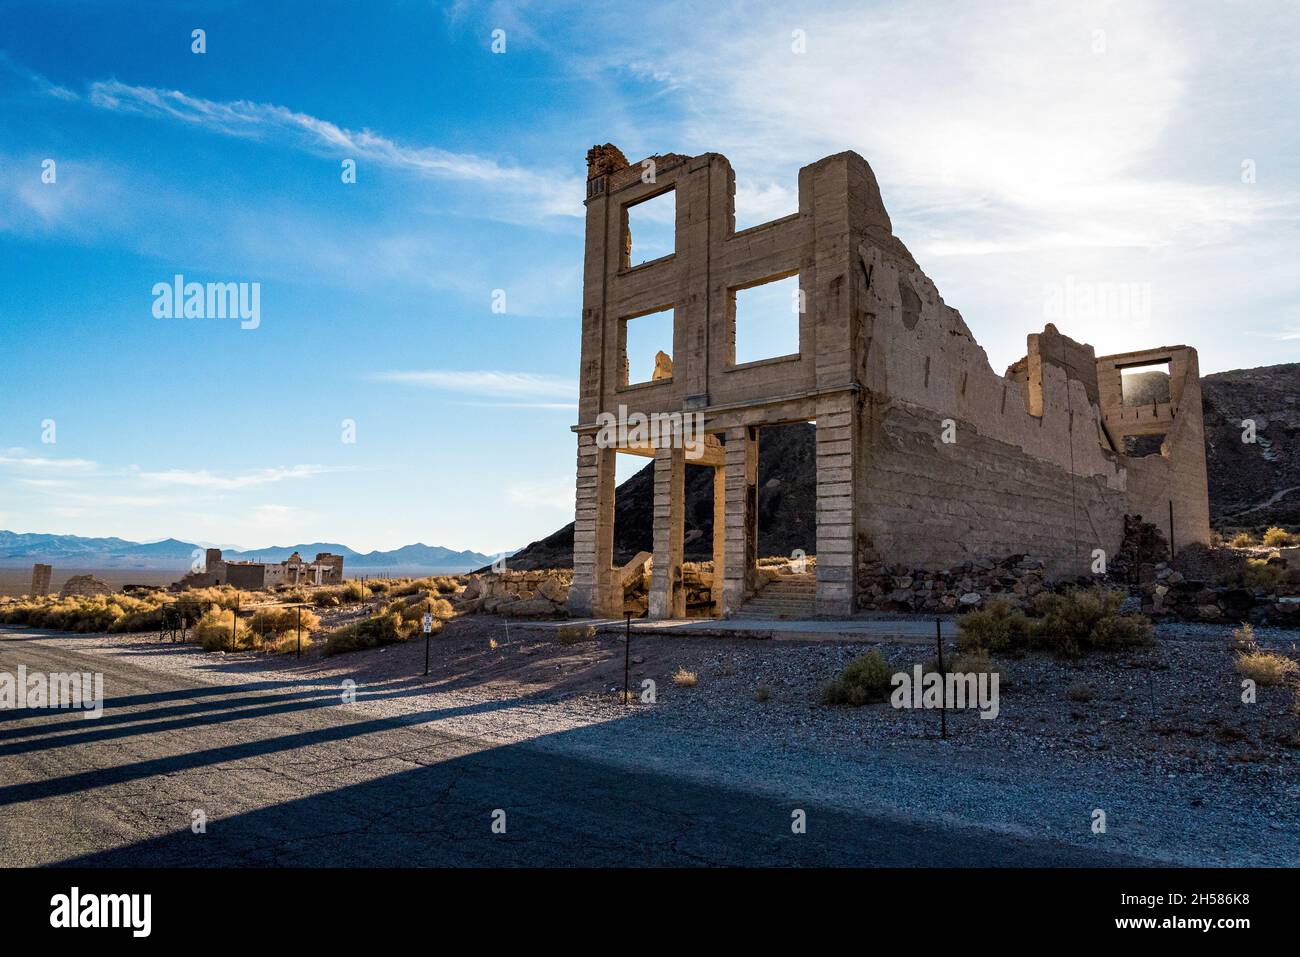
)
(287, 776)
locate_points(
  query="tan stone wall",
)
(884, 367)
(41, 579)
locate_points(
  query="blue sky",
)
(1024, 154)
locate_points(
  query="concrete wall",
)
(925, 455)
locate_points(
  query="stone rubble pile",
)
(883, 587)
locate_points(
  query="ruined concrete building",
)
(326, 569)
(924, 455)
(41, 578)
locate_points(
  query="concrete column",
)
(667, 593)
(593, 534)
(836, 539)
(741, 487)
(719, 537)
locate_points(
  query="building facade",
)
(924, 455)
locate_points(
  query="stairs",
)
(784, 597)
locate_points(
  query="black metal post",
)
(943, 678)
(627, 655)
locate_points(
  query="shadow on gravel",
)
(562, 810)
(70, 784)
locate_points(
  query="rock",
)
(971, 599)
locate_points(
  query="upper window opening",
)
(648, 347)
(649, 229)
(765, 319)
(1145, 384)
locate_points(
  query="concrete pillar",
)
(667, 591)
(741, 488)
(836, 538)
(593, 534)
(719, 537)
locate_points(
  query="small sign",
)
(428, 622)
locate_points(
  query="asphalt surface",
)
(285, 774)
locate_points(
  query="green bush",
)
(864, 679)
(997, 627)
(1083, 619)
(386, 628)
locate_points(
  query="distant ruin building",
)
(925, 456)
(85, 586)
(325, 569)
(41, 579)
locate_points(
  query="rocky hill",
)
(1251, 486)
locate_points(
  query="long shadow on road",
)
(561, 810)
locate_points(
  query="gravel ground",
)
(1184, 771)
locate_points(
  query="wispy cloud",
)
(204, 479)
(20, 459)
(488, 384)
(554, 194)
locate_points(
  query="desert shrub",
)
(213, 631)
(997, 627)
(573, 634)
(1083, 619)
(1265, 667)
(272, 623)
(386, 628)
(87, 613)
(1243, 638)
(414, 608)
(287, 643)
(762, 693)
(865, 678)
(1276, 537)
(1241, 540)
(1258, 575)
(685, 679)
(379, 587)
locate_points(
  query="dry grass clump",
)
(685, 679)
(275, 622)
(1241, 540)
(414, 608)
(222, 630)
(864, 679)
(1071, 622)
(575, 634)
(762, 693)
(1265, 667)
(88, 613)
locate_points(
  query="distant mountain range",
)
(73, 551)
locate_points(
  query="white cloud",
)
(488, 384)
(20, 459)
(550, 193)
(202, 478)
